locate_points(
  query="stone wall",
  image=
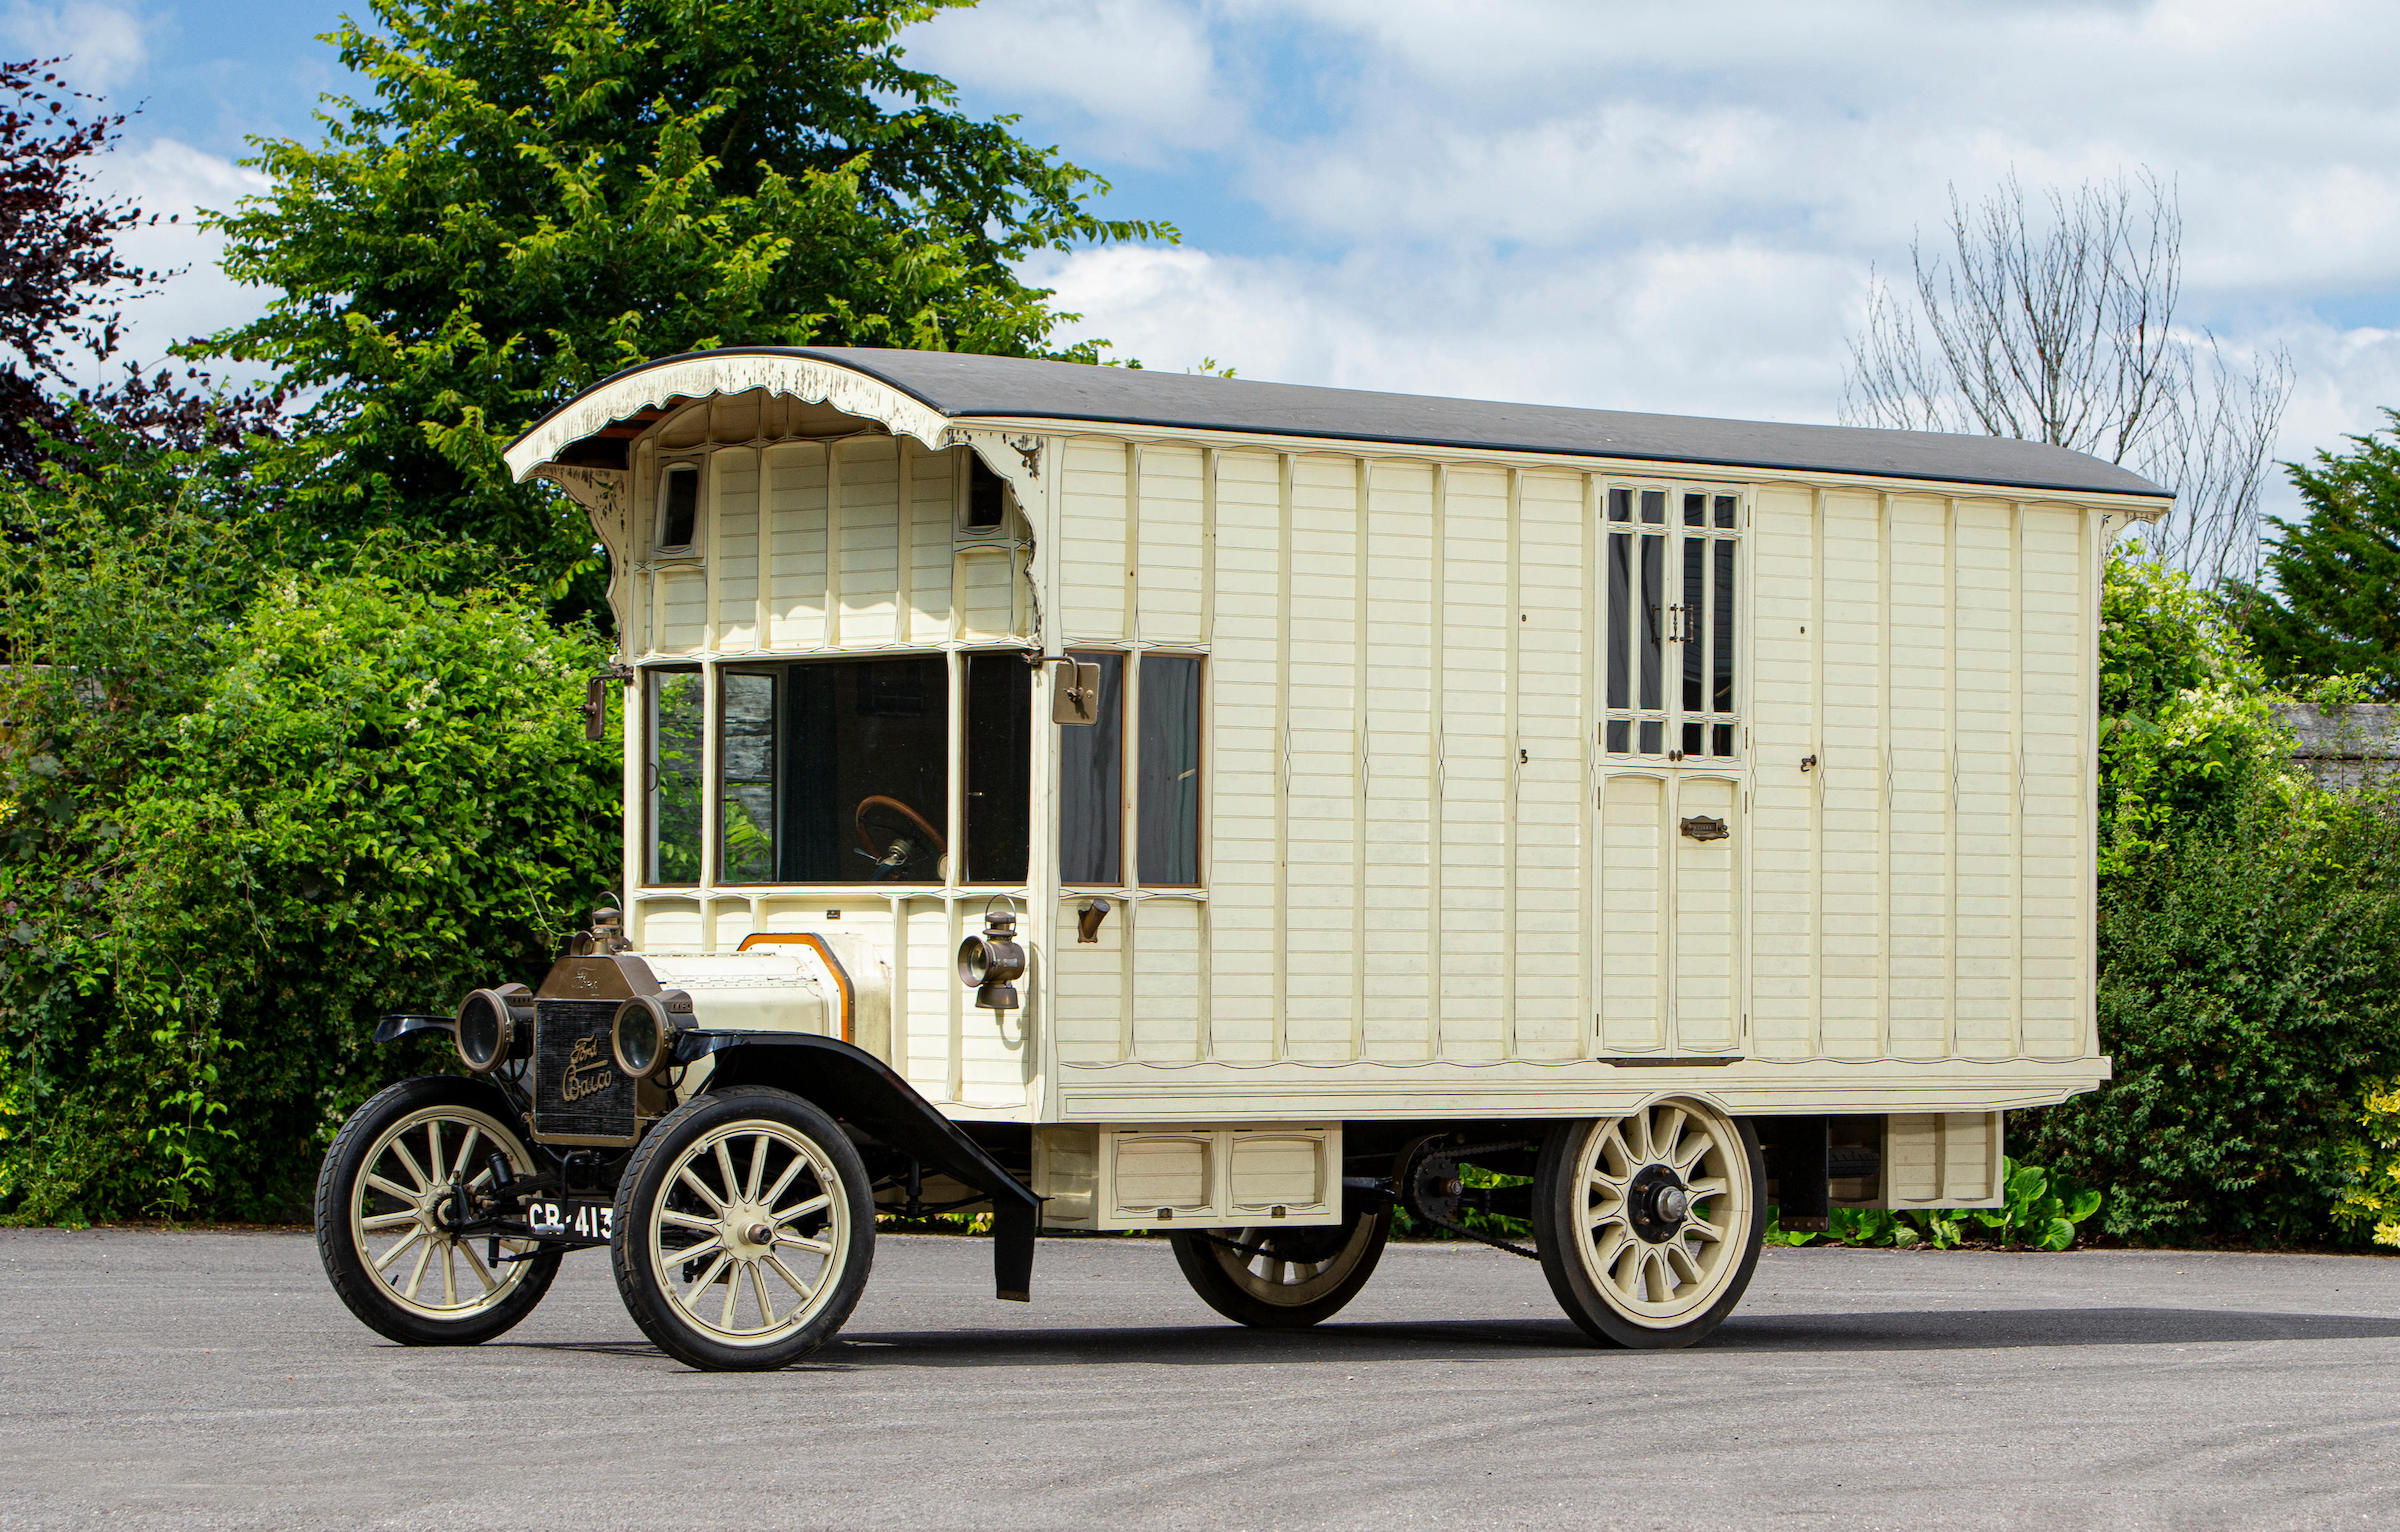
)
(2344, 748)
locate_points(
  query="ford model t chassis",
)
(1107, 801)
(735, 1175)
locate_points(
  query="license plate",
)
(574, 1220)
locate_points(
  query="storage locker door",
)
(1669, 931)
(1706, 834)
(1632, 931)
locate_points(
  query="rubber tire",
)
(643, 1181)
(1197, 1253)
(1573, 1286)
(353, 1283)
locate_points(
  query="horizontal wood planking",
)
(1400, 671)
(1868, 934)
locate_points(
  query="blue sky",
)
(1634, 206)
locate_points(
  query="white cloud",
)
(1650, 207)
(174, 181)
(104, 42)
(1144, 68)
(2347, 378)
(1681, 329)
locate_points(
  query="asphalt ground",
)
(165, 1379)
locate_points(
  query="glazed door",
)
(1671, 811)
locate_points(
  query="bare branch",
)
(2062, 330)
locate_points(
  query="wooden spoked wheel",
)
(408, 1169)
(744, 1230)
(1649, 1225)
(1283, 1278)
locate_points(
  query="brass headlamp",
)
(993, 962)
(494, 1026)
(643, 1034)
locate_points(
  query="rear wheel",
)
(745, 1226)
(1649, 1225)
(392, 1188)
(1280, 1278)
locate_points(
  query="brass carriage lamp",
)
(642, 1036)
(993, 962)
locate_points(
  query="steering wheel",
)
(898, 849)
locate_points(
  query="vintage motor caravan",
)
(1121, 801)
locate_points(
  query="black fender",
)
(393, 1028)
(856, 1086)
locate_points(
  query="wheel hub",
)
(1657, 1203)
(747, 1231)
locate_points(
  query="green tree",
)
(2331, 606)
(538, 193)
(243, 812)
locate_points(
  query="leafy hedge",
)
(2247, 929)
(243, 813)
(243, 817)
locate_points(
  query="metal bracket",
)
(595, 700)
(1030, 449)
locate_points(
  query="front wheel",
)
(399, 1177)
(1649, 1226)
(744, 1229)
(1283, 1278)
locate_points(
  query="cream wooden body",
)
(1428, 892)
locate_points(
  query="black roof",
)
(965, 386)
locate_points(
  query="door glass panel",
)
(1691, 628)
(1654, 506)
(1653, 625)
(1721, 630)
(677, 714)
(1620, 628)
(1695, 510)
(1620, 505)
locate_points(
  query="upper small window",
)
(678, 505)
(987, 503)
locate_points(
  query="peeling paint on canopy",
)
(723, 373)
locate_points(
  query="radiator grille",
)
(578, 1091)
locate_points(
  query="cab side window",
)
(1165, 779)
